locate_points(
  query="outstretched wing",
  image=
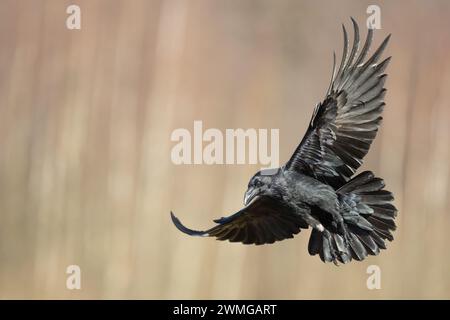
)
(344, 125)
(262, 221)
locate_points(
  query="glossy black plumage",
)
(263, 221)
(344, 125)
(351, 217)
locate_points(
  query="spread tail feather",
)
(368, 216)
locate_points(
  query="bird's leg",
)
(334, 254)
(305, 213)
(331, 205)
(313, 222)
(342, 228)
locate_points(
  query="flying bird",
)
(351, 216)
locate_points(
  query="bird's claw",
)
(341, 255)
(345, 234)
(335, 254)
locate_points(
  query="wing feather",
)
(263, 221)
(344, 125)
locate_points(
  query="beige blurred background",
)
(85, 124)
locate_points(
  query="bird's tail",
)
(368, 216)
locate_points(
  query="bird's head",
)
(263, 183)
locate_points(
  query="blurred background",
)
(85, 122)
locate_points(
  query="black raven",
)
(351, 217)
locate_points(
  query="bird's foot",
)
(344, 247)
(335, 254)
(345, 234)
(348, 240)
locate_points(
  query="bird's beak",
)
(250, 195)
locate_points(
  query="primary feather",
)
(344, 125)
